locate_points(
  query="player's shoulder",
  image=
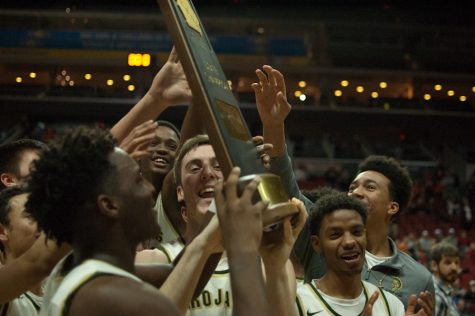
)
(117, 295)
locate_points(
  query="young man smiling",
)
(197, 171)
(337, 226)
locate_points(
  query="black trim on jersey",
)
(35, 305)
(328, 305)
(67, 303)
(299, 307)
(4, 309)
(162, 249)
(221, 272)
(385, 301)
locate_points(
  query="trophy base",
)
(274, 215)
(270, 189)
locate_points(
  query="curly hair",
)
(315, 194)
(400, 183)
(330, 203)
(5, 207)
(67, 178)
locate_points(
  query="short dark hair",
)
(443, 249)
(329, 204)
(67, 178)
(5, 207)
(400, 183)
(190, 144)
(315, 194)
(170, 125)
(10, 154)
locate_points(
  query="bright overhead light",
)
(302, 84)
(88, 76)
(427, 97)
(303, 97)
(338, 93)
(438, 87)
(297, 93)
(360, 89)
(110, 82)
(344, 83)
(126, 77)
(33, 75)
(18, 79)
(462, 98)
(131, 87)
(383, 85)
(374, 94)
(451, 93)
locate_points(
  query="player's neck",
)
(37, 290)
(340, 286)
(117, 254)
(377, 243)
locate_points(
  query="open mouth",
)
(160, 161)
(351, 258)
(206, 193)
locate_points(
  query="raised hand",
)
(272, 107)
(276, 252)
(368, 309)
(271, 97)
(262, 150)
(426, 302)
(169, 87)
(137, 141)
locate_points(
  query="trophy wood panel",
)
(218, 107)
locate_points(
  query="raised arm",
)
(30, 268)
(273, 108)
(279, 273)
(169, 87)
(241, 226)
(180, 285)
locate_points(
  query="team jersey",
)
(216, 297)
(80, 275)
(27, 304)
(169, 232)
(311, 301)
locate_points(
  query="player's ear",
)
(108, 206)
(315, 241)
(184, 214)
(180, 195)
(8, 179)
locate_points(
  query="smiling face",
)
(199, 172)
(22, 231)
(342, 242)
(372, 189)
(163, 148)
